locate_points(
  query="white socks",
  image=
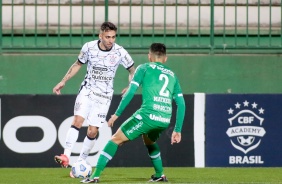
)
(88, 144)
(71, 139)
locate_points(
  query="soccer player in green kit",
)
(159, 87)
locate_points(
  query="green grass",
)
(142, 174)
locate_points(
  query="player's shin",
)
(106, 155)
(71, 138)
(88, 144)
(155, 156)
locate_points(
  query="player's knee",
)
(116, 139)
(78, 121)
(92, 132)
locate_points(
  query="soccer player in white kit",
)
(102, 57)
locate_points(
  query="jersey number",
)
(163, 91)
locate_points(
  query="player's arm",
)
(180, 114)
(127, 97)
(131, 71)
(71, 72)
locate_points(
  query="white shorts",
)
(93, 108)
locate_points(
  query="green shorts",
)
(134, 128)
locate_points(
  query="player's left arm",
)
(131, 71)
(180, 103)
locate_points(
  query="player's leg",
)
(106, 155)
(155, 156)
(111, 147)
(109, 152)
(89, 142)
(71, 138)
(96, 118)
(81, 111)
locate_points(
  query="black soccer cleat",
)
(158, 179)
(88, 180)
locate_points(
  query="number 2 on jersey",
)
(163, 91)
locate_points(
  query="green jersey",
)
(159, 87)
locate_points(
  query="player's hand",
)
(58, 87)
(175, 137)
(112, 120)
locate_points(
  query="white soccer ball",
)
(246, 140)
(81, 169)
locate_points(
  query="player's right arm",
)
(75, 67)
(127, 97)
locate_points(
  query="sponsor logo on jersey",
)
(246, 131)
(98, 74)
(162, 108)
(159, 118)
(164, 70)
(134, 128)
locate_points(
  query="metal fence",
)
(185, 26)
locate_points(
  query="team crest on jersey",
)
(246, 126)
(112, 59)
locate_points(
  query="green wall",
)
(39, 73)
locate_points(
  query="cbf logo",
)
(246, 130)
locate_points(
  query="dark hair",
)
(158, 49)
(108, 26)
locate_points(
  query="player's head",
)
(157, 53)
(107, 35)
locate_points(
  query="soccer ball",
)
(246, 140)
(81, 169)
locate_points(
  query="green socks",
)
(110, 150)
(155, 155)
(106, 155)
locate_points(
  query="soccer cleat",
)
(158, 179)
(88, 180)
(63, 160)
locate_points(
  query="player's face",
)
(107, 39)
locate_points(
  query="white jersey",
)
(102, 66)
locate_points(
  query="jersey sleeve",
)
(134, 85)
(180, 103)
(126, 59)
(82, 57)
(139, 74)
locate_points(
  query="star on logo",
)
(246, 103)
(230, 111)
(254, 105)
(261, 111)
(237, 105)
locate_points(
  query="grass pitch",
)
(142, 175)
